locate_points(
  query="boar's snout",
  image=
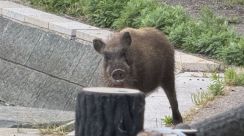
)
(118, 75)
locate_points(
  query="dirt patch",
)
(234, 96)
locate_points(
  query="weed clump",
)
(216, 88)
(232, 78)
(167, 120)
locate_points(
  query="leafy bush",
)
(70, 7)
(103, 12)
(178, 33)
(208, 35)
(234, 53)
(131, 15)
(164, 17)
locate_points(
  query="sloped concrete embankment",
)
(42, 69)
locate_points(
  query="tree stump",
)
(109, 112)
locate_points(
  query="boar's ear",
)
(126, 39)
(98, 45)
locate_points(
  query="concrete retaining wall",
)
(42, 69)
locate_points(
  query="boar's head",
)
(117, 61)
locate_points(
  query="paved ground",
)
(19, 132)
(11, 116)
(157, 105)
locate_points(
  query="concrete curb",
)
(86, 32)
(19, 132)
(27, 117)
(45, 20)
(190, 63)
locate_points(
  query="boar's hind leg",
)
(168, 84)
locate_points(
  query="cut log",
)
(109, 112)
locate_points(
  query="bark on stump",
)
(109, 112)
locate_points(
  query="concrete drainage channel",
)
(46, 59)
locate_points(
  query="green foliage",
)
(167, 120)
(103, 12)
(240, 80)
(178, 33)
(164, 17)
(70, 7)
(201, 97)
(208, 35)
(131, 15)
(232, 78)
(234, 53)
(217, 85)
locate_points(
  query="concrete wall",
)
(42, 69)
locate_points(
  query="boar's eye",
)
(127, 60)
(123, 54)
(107, 56)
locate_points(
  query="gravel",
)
(234, 97)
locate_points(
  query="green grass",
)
(232, 78)
(69, 7)
(103, 12)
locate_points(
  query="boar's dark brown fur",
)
(141, 59)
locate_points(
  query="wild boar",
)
(142, 59)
